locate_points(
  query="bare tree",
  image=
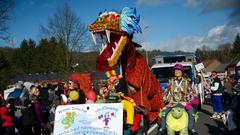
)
(6, 7)
(65, 25)
(227, 47)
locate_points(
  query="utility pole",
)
(146, 27)
(147, 55)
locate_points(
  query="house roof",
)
(221, 68)
(234, 61)
(211, 65)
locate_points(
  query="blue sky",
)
(167, 24)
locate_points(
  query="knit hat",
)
(178, 67)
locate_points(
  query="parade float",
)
(141, 100)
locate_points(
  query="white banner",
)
(89, 119)
(199, 67)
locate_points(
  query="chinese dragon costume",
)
(114, 31)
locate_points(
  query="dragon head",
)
(113, 31)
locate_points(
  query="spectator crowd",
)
(30, 108)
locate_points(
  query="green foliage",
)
(24, 57)
(49, 56)
(236, 46)
(5, 72)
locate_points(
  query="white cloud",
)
(216, 31)
(216, 36)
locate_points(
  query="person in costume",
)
(177, 94)
(116, 83)
(217, 90)
(114, 31)
(117, 86)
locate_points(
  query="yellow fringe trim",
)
(114, 58)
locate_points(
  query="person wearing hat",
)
(177, 94)
(117, 85)
(217, 90)
(73, 94)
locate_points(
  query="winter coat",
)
(7, 119)
(27, 116)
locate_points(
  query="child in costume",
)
(217, 90)
(117, 87)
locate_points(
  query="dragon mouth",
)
(112, 44)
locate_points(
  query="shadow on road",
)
(213, 130)
(206, 112)
(219, 130)
(208, 126)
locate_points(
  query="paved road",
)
(208, 126)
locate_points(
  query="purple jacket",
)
(38, 110)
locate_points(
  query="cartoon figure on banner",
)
(106, 118)
(117, 91)
(69, 119)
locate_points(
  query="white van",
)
(164, 72)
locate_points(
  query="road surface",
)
(208, 126)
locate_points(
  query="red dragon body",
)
(115, 32)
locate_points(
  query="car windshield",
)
(163, 74)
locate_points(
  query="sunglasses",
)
(213, 74)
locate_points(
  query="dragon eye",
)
(99, 19)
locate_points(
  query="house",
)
(215, 65)
(211, 65)
(234, 66)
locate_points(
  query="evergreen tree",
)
(236, 46)
(62, 51)
(27, 56)
(52, 55)
(5, 73)
(43, 56)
